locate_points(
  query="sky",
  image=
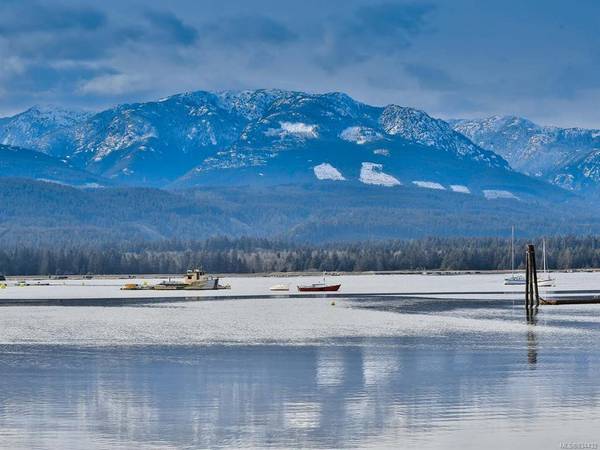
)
(451, 58)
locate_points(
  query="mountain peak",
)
(418, 126)
(29, 128)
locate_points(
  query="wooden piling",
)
(527, 280)
(534, 273)
(532, 294)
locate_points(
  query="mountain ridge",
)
(21, 162)
(270, 137)
(562, 156)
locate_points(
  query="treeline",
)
(250, 255)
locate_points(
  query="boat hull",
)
(328, 288)
(280, 288)
(521, 282)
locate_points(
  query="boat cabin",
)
(193, 276)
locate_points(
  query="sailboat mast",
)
(512, 250)
(544, 252)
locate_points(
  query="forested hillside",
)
(47, 214)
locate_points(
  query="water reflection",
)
(378, 393)
(532, 352)
(469, 385)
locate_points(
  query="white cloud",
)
(115, 84)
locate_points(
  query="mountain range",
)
(265, 137)
(288, 164)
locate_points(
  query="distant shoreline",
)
(283, 274)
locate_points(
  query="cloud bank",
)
(453, 59)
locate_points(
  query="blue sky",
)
(461, 58)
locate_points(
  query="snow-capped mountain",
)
(154, 143)
(564, 156)
(581, 172)
(270, 137)
(31, 128)
(417, 126)
(305, 138)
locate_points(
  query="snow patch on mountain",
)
(460, 188)
(493, 194)
(326, 171)
(298, 129)
(359, 135)
(371, 173)
(429, 185)
(381, 151)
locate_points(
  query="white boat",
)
(518, 279)
(545, 280)
(514, 279)
(280, 287)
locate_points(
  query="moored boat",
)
(280, 287)
(545, 280)
(319, 287)
(514, 279)
(193, 280)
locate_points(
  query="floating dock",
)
(571, 300)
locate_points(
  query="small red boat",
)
(319, 287)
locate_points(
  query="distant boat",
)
(193, 280)
(546, 280)
(280, 287)
(319, 287)
(514, 279)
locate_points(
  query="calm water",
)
(447, 386)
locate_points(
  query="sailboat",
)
(545, 280)
(514, 278)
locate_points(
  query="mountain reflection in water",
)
(454, 389)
